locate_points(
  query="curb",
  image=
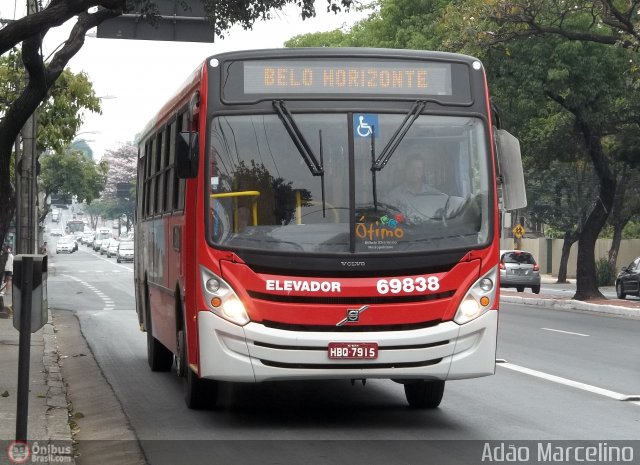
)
(555, 304)
(57, 416)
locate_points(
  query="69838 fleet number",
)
(408, 285)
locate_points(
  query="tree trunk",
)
(618, 218)
(570, 237)
(586, 282)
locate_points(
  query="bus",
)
(75, 226)
(277, 235)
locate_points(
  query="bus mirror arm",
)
(186, 149)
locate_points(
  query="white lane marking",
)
(570, 383)
(106, 301)
(566, 332)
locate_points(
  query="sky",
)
(135, 77)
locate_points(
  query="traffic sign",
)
(518, 231)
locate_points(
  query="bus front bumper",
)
(255, 353)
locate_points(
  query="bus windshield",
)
(431, 194)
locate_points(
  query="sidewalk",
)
(629, 307)
(48, 418)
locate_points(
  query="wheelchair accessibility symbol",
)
(365, 124)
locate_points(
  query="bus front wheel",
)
(199, 393)
(424, 394)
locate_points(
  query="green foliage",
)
(60, 115)
(631, 230)
(605, 273)
(70, 173)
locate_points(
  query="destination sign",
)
(265, 77)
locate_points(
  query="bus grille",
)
(349, 328)
(299, 299)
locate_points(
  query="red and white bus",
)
(308, 214)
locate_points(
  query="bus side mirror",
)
(187, 149)
(514, 194)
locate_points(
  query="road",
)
(561, 376)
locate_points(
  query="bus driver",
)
(416, 200)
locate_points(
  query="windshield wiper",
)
(298, 139)
(315, 167)
(397, 137)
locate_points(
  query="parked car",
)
(125, 252)
(519, 269)
(66, 245)
(628, 280)
(112, 248)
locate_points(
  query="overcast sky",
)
(138, 76)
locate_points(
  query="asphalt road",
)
(562, 376)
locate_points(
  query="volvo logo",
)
(353, 315)
(350, 264)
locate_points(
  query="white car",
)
(105, 246)
(65, 245)
(99, 237)
(112, 249)
(125, 251)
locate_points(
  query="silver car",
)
(125, 251)
(519, 269)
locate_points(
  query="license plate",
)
(352, 350)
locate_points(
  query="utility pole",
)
(27, 180)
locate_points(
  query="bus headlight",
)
(478, 299)
(222, 299)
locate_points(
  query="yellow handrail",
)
(234, 195)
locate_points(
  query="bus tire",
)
(424, 394)
(199, 393)
(158, 356)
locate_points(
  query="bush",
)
(605, 273)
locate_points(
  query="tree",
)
(43, 73)
(59, 117)
(70, 174)
(119, 192)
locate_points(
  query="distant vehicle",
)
(66, 244)
(86, 236)
(519, 269)
(112, 249)
(125, 252)
(56, 233)
(101, 235)
(628, 280)
(105, 245)
(75, 226)
(55, 216)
